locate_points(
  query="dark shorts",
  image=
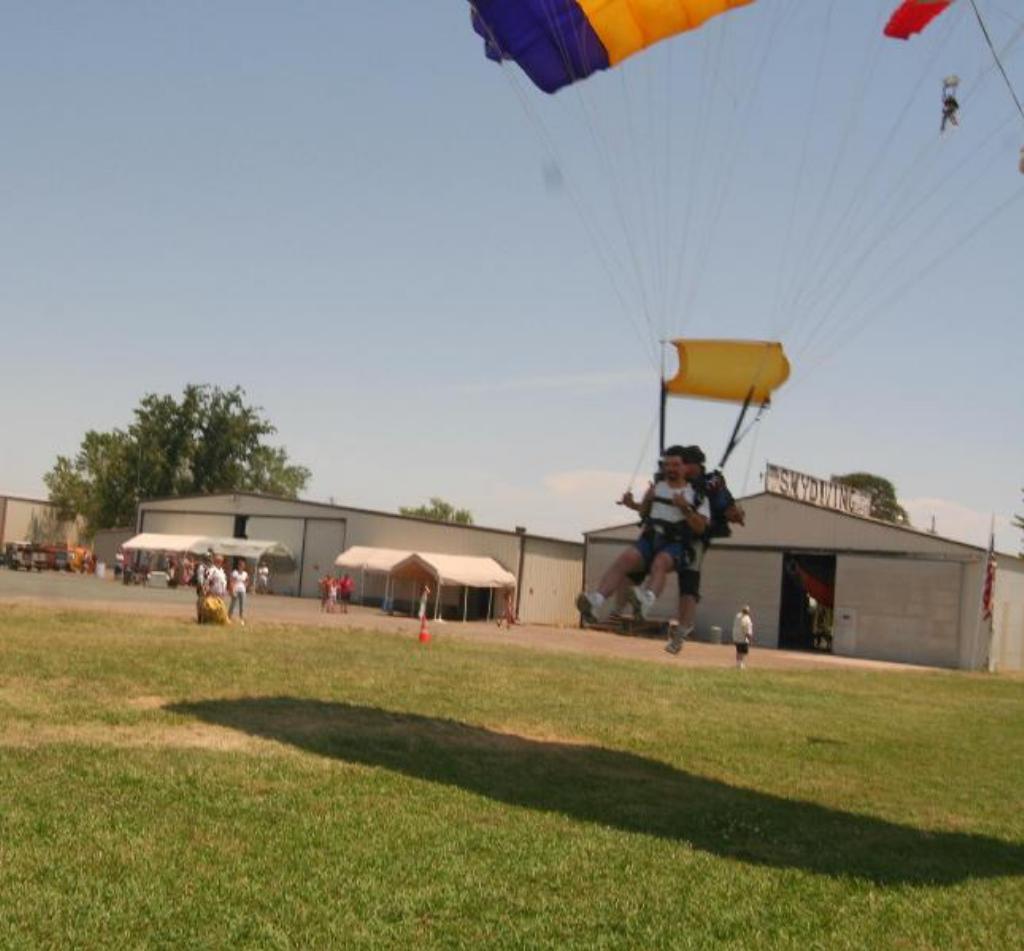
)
(689, 583)
(650, 546)
(743, 648)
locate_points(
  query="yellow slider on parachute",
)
(732, 370)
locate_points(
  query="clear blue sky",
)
(390, 243)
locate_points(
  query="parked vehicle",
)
(42, 557)
(18, 556)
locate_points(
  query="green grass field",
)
(163, 785)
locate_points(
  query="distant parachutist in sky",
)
(950, 107)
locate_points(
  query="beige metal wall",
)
(552, 577)
(899, 610)
(240, 504)
(324, 541)
(377, 529)
(730, 579)
(16, 519)
(182, 523)
(901, 595)
(107, 541)
(287, 531)
(313, 539)
(777, 522)
(552, 570)
(1008, 616)
(973, 650)
(392, 531)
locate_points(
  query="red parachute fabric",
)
(912, 16)
(821, 592)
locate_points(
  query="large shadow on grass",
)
(621, 790)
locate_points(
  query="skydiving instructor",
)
(673, 516)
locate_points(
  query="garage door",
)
(898, 609)
(325, 540)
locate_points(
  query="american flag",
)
(988, 591)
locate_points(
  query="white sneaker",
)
(642, 601)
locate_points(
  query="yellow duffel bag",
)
(213, 610)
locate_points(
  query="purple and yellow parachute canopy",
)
(559, 42)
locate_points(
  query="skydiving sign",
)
(821, 492)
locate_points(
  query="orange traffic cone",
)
(424, 632)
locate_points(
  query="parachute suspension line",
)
(1006, 13)
(721, 169)
(739, 127)
(892, 227)
(750, 461)
(731, 445)
(597, 236)
(540, 130)
(761, 410)
(604, 151)
(658, 78)
(852, 111)
(882, 306)
(665, 229)
(709, 66)
(901, 203)
(737, 435)
(635, 174)
(853, 114)
(995, 56)
(616, 190)
(900, 196)
(900, 264)
(643, 453)
(784, 263)
(661, 69)
(840, 240)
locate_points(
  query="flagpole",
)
(981, 619)
(990, 586)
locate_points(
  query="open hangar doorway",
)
(807, 600)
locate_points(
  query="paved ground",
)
(60, 590)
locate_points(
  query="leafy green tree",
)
(207, 441)
(439, 510)
(884, 504)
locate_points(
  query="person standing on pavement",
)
(742, 635)
(239, 583)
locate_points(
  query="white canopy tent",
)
(418, 568)
(251, 548)
(465, 571)
(362, 558)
